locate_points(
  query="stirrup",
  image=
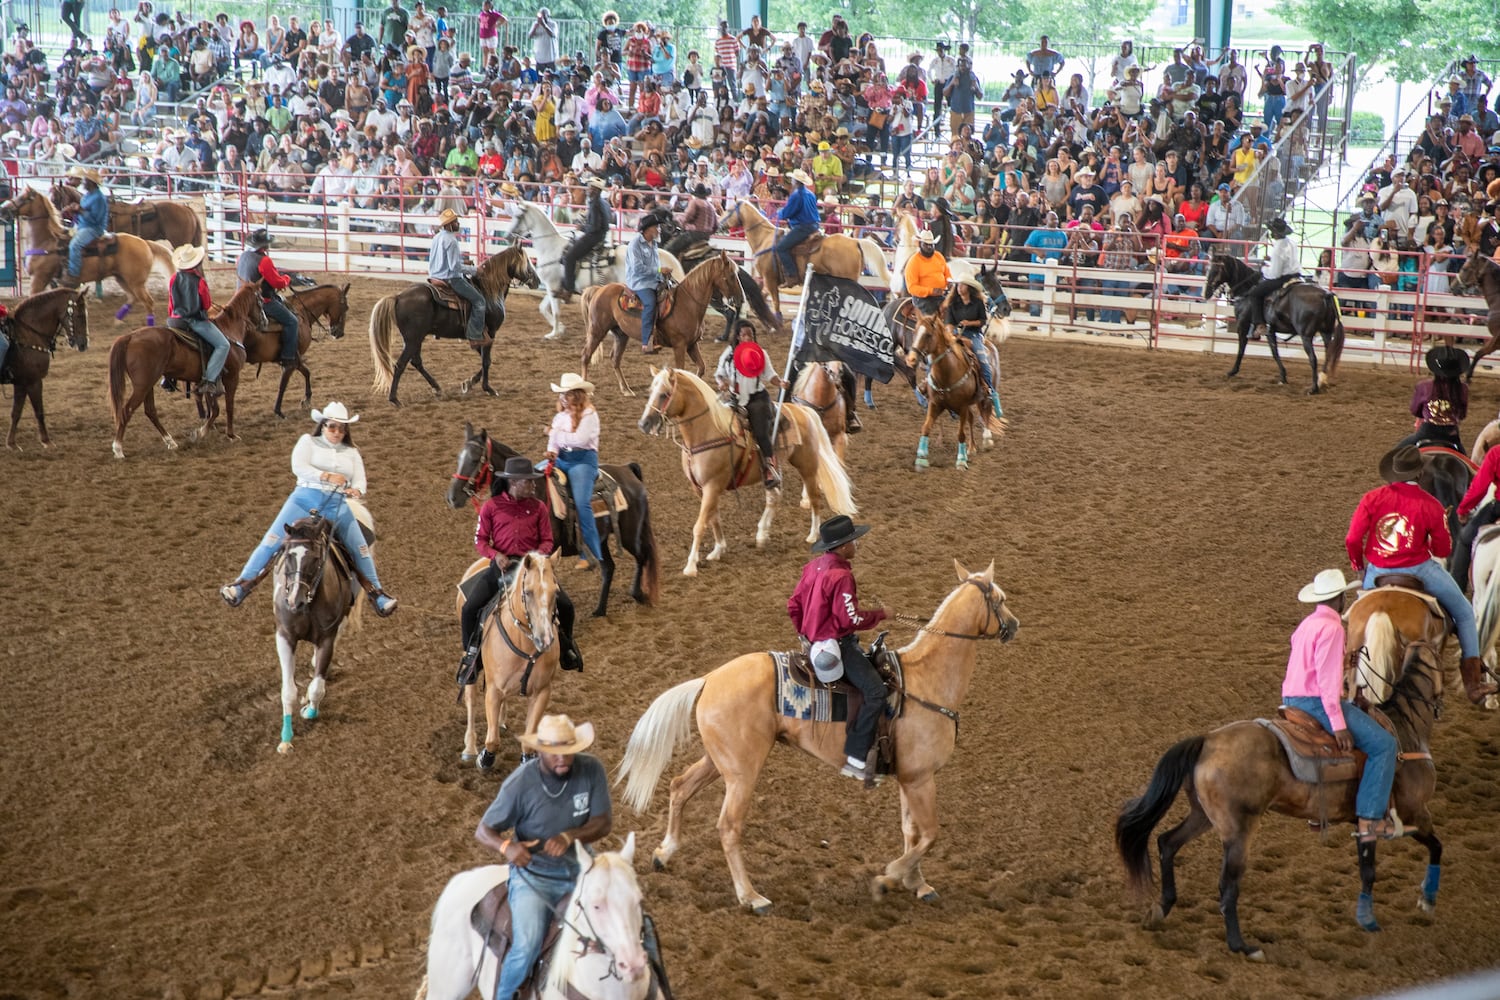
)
(234, 594)
(375, 597)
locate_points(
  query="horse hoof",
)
(232, 437)
(1426, 905)
(761, 907)
(309, 712)
(467, 758)
(1154, 917)
(117, 450)
(486, 760)
(878, 888)
(490, 392)
(279, 414)
(930, 896)
(170, 442)
(194, 435)
(554, 335)
(658, 863)
(921, 465)
(1313, 391)
(283, 748)
(963, 466)
(1255, 956)
(1233, 374)
(690, 571)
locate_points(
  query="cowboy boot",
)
(468, 668)
(851, 417)
(569, 656)
(234, 594)
(68, 281)
(769, 472)
(1471, 669)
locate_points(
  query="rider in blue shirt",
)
(89, 224)
(800, 213)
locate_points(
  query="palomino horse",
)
(819, 388)
(1481, 273)
(518, 645)
(953, 384)
(35, 324)
(608, 962)
(838, 255)
(1237, 773)
(324, 304)
(680, 329)
(416, 314)
(148, 354)
(1302, 309)
(480, 455)
(739, 724)
(314, 592)
(550, 245)
(177, 222)
(130, 264)
(718, 457)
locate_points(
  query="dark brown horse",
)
(416, 315)
(34, 326)
(177, 222)
(1302, 309)
(481, 454)
(953, 384)
(901, 315)
(325, 304)
(148, 354)
(718, 276)
(1237, 773)
(1481, 273)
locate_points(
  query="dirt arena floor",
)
(1150, 522)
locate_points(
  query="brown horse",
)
(177, 222)
(718, 457)
(953, 384)
(1481, 273)
(129, 264)
(324, 304)
(519, 648)
(739, 724)
(148, 354)
(34, 326)
(1380, 626)
(837, 255)
(1237, 773)
(819, 388)
(680, 329)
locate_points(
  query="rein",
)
(527, 628)
(483, 473)
(64, 327)
(991, 611)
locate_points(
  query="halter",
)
(65, 326)
(661, 411)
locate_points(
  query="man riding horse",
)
(256, 268)
(90, 221)
(190, 301)
(1283, 264)
(595, 229)
(800, 213)
(445, 263)
(927, 275)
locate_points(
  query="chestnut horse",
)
(819, 388)
(953, 384)
(716, 459)
(148, 354)
(1482, 274)
(1237, 773)
(716, 277)
(130, 264)
(35, 324)
(177, 222)
(739, 724)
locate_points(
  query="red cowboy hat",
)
(750, 359)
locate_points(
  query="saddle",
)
(1311, 751)
(105, 246)
(800, 253)
(491, 920)
(607, 499)
(801, 695)
(630, 302)
(746, 453)
(444, 297)
(134, 215)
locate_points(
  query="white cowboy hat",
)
(65, 150)
(800, 175)
(337, 412)
(447, 216)
(556, 734)
(1329, 583)
(185, 257)
(571, 381)
(974, 284)
(597, 183)
(926, 236)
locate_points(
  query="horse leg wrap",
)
(963, 454)
(1430, 883)
(1364, 912)
(123, 311)
(286, 729)
(150, 319)
(922, 448)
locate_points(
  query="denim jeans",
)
(582, 468)
(215, 339)
(1273, 106)
(533, 899)
(82, 237)
(901, 150)
(4, 349)
(1113, 286)
(302, 502)
(1037, 283)
(794, 235)
(477, 306)
(1440, 585)
(1374, 795)
(648, 312)
(976, 341)
(277, 312)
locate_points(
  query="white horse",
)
(598, 954)
(549, 246)
(1485, 572)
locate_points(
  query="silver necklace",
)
(558, 793)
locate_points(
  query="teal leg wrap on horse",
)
(922, 447)
(995, 402)
(963, 454)
(286, 729)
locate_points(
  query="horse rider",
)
(552, 801)
(90, 221)
(800, 213)
(1399, 528)
(1283, 264)
(826, 613)
(4, 337)
(1474, 513)
(1314, 684)
(1440, 403)
(512, 522)
(328, 468)
(256, 268)
(744, 372)
(927, 275)
(189, 299)
(643, 275)
(595, 229)
(968, 315)
(445, 262)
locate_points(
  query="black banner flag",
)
(840, 321)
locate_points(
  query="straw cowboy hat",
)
(800, 175)
(926, 236)
(571, 381)
(336, 412)
(1329, 583)
(85, 173)
(836, 531)
(556, 734)
(447, 217)
(186, 257)
(416, 52)
(517, 467)
(973, 283)
(510, 190)
(1402, 464)
(1447, 362)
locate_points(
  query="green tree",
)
(1415, 38)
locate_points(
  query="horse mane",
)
(706, 273)
(1404, 690)
(722, 416)
(805, 376)
(563, 961)
(54, 219)
(550, 226)
(491, 275)
(942, 608)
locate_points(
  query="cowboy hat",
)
(447, 217)
(694, 142)
(517, 467)
(1401, 464)
(749, 359)
(189, 256)
(509, 190)
(1278, 228)
(648, 221)
(572, 380)
(1447, 362)
(556, 734)
(336, 412)
(926, 236)
(597, 183)
(416, 52)
(973, 283)
(836, 531)
(610, 15)
(260, 239)
(800, 175)
(843, 132)
(1329, 583)
(823, 147)
(85, 173)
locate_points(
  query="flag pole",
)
(799, 330)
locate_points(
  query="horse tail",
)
(875, 259)
(1335, 341)
(645, 544)
(1139, 816)
(833, 479)
(455, 953)
(161, 254)
(666, 723)
(586, 298)
(382, 333)
(756, 299)
(118, 353)
(1382, 645)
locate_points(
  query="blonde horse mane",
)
(54, 220)
(493, 276)
(722, 416)
(805, 376)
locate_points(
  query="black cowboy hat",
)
(260, 239)
(648, 221)
(836, 531)
(1447, 362)
(518, 468)
(1401, 464)
(1278, 228)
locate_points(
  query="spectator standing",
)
(1044, 59)
(961, 92)
(490, 22)
(939, 71)
(393, 25)
(727, 51)
(543, 35)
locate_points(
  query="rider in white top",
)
(1283, 264)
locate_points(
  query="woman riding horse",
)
(1440, 403)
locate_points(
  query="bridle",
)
(994, 605)
(65, 327)
(527, 628)
(484, 469)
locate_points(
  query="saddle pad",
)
(1314, 769)
(631, 303)
(1426, 598)
(799, 700)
